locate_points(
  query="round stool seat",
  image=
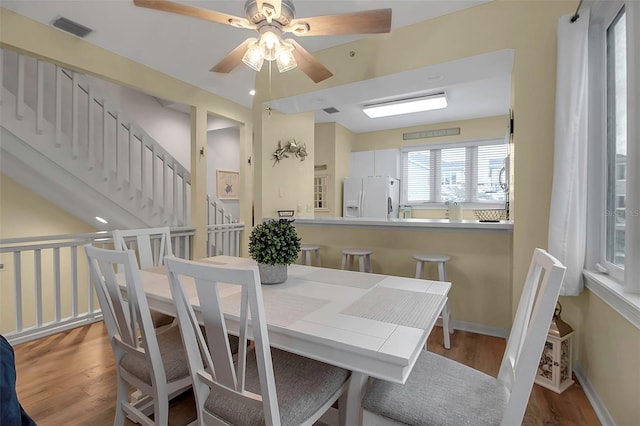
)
(309, 250)
(431, 257)
(364, 259)
(356, 251)
(305, 247)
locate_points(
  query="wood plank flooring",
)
(69, 379)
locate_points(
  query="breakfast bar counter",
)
(407, 224)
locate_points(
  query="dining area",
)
(326, 346)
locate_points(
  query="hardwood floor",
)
(69, 379)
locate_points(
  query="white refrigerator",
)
(377, 196)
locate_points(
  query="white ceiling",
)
(186, 48)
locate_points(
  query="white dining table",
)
(373, 325)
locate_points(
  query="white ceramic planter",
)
(272, 274)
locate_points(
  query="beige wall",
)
(287, 184)
(481, 276)
(333, 148)
(606, 347)
(25, 214)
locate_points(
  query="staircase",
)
(63, 140)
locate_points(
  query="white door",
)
(352, 197)
(361, 164)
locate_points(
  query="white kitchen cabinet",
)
(381, 162)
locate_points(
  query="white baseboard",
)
(598, 406)
(474, 327)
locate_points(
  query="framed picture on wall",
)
(227, 185)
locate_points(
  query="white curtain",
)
(568, 215)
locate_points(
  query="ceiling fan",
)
(273, 18)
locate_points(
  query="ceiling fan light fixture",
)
(285, 59)
(270, 44)
(406, 106)
(253, 57)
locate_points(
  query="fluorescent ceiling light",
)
(101, 220)
(406, 106)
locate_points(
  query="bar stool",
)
(440, 259)
(363, 255)
(308, 251)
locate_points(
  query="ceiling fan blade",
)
(195, 12)
(233, 59)
(367, 22)
(308, 64)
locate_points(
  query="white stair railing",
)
(87, 129)
(47, 279)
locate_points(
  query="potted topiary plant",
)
(274, 244)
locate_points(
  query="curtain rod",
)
(576, 15)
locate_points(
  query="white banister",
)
(143, 170)
(40, 97)
(20, 94)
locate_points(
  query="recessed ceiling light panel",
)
(406, 106)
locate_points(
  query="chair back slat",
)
(144, 244)
(128, 322)
(207, 280)
(529, 331)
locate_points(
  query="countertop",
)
(437, 224)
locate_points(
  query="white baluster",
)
(118, 154)
(143, 170)
(175, 193)
(39, 96)
(74, 115)
(154, 176)
(56, 282)
(58, 123)
(74, 281)
(17, 282)
(132, 186)
(106, 166)
(37, 278)
(20, 92)
(91, 129)
(165, 185)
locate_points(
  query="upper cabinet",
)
(381, 162)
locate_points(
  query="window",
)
(470, 172)
(616, 169)
(320, 196)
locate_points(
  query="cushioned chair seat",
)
(160, 319)
(173, 358)
(302, 385)
(439, 392)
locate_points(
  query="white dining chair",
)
(154, 364)
(440, 391)
(264, 385)
(148, 255)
